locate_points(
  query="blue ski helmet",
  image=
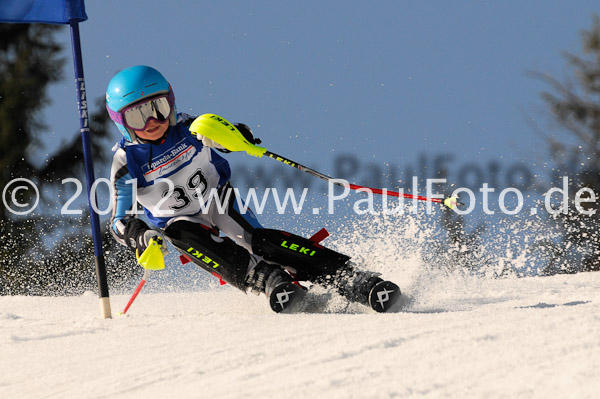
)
(132, 85)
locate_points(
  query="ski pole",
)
(137, 291)
(450, 202)
(151, 259)
(219, 130)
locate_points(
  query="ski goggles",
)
(138, 115)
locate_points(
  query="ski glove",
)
(150, 234)
(247, 133)
(133, 234)
(137, 235)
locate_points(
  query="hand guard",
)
(153, 257)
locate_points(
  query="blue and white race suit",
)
(169, 179)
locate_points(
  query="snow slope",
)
(457, 337)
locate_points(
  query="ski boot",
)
(367, 288)
(270, 279)
(383, 296)
(310, 261)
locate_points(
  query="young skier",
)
(162, 165)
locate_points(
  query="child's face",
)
(154, 131)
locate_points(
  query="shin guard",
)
(309, 260)
(219, 256)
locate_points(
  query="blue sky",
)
(387, 81)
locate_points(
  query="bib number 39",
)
(196, 183)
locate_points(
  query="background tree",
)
(575, 105)
(44, 253)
